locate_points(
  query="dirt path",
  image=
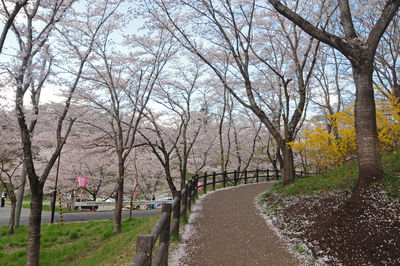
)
(230, 231)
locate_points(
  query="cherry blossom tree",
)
(10, 160)
(34, 49)
(387, 60)
(81, 157)
(119, 85)
(32, 44)
(331, 79)
(9, 17)
(148, 171)
(182, 97)
(235, 41)
(162, 141)
(359, 47)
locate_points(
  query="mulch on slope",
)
(229, 230)
(335, 229)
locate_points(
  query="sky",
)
(50, 92)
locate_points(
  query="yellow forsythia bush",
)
(325, 150)
(388, 122)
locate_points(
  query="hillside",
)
(325, 225)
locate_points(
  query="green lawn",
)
(83, 243)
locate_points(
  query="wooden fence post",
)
(245, 176)
(164, 235)
(213, 180)
(184, 202)
(267, 174)
(224, 177)
(196, 183)
(235, 177)
(257, 175)
(277, 175)
(205, 183)
(144, 243)
(189, 195)
(177, 213)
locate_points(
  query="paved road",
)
(74, 216)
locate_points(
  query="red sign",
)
(82, 181)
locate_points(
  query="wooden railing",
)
(182, 203)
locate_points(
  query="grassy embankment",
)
(83, 243)
(344, 177)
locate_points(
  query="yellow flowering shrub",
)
(324, 149)
(388, 122)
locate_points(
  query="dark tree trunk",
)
(171, 184)
(369, 158)
(34, 225)
(168, 176)
(184, 172)
(288, 165)
(118, 201)
(13, 201)
(20, 195)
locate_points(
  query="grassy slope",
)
(344, 177)
(84, 243)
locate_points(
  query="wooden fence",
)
(182, 203)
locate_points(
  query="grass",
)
(344, 177)
(83, 243)
(391, 164)
(300, 249)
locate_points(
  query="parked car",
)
(162, 198)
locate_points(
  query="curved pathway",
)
(229, 230)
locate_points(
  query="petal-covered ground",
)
(335, 229)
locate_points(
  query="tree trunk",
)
(13, 201)
(34, 225)
(171, 184)
(288, 165)
(118, 203)
(168, 176)
(369, 158)
(183, 172)
(20, 195)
